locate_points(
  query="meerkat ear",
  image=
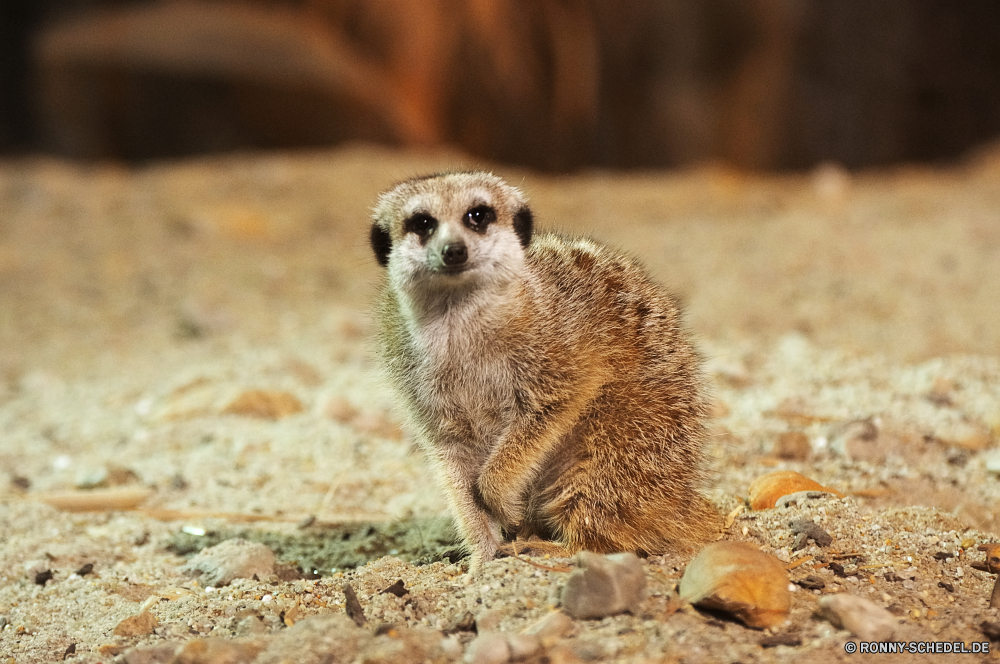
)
(524, 225)
(381, 244)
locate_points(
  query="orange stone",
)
(138, 625)
(767, 489)
(739, 579)
(264, 404)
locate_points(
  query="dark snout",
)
(454, 255)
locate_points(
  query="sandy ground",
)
(196, 336)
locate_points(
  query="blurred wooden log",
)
(95, 500)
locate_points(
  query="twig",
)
(800, 561)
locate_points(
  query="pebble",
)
(105, 476)
(264, 404)
(739, 579)
(219, 651)
(858, 440)
(151, 655)
(499, 648)
(768, 489)
(860, 616)
(553, 626)
(488, 648)
(604, 585)
(793, 446)
(233, 559)
(353, 606)
(137, 625)
(805, 530)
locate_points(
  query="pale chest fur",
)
(463, 380)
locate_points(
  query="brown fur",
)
(565, 402)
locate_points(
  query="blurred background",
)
(550, 84)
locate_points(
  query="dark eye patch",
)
(422, 224)
(479, 217)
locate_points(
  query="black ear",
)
(524, 225)
(381, 244)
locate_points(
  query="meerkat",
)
(549, 382)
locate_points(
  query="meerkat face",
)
(451, 232)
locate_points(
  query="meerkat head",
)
(451, 232)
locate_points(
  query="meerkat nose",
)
(454, 254)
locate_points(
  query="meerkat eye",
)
(422, 224)
(479, 217)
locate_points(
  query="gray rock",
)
(488, 648)
(604, 585)
(860, 616)
(232, 559)
(500, 648)
(805, 530)
(553, 626)
(523, 646)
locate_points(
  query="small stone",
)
(489, 621)
(792, 445)
(106, 476)
(523, 646)
(398, 589)
(293, 615)
(739, 579)
(219, 651)
(111, 649)
(233, 559)
(467, 623)
(805, 530)
(860, 616)
(154, 655)
(264, 404)
(967, 436)
(767, 489)
(553, 626)
(488, 648)
(838, 569)
(341, 410)
(249, 625)
(859, 440)
(774, 640)
(604, 585)
(811, 583)
(499, 648)
(353, 606)
(138, 625)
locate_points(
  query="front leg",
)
(517, 458)
(478, 529)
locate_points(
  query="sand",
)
(196, 336)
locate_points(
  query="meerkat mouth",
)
(452, 271)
